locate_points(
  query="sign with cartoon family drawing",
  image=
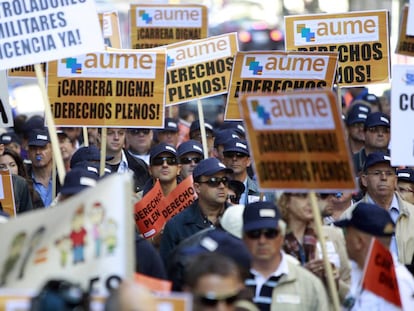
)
(86, 239)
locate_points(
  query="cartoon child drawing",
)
(63, 245)
(111, 235)
(14, 252)
(97, 216)
(78, 235)
(34, 242)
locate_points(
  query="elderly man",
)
(380, 181)
(211, 185)
(277, 283)
(368, 221)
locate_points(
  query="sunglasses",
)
(209, 301)
(160, 161)
(189, 160)
(234, 154)
(256, 234)
(139, 131)
(214, 182)
(378, 129)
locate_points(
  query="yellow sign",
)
(360, 38)
(109, 89)
(109, 22)
(153, 25)
(25, 71)
(199, 69)
(297, 141)
(278, 71)
(405, 45)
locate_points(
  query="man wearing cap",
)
(195, 133)
(77, 180)
(237, 157)
(211, 185)
(40, 171)
(139, 142)
(405, 184)
(379, 179)
(355, 119)
(122, 161)
(221, 137)
(190, 153)
(12, 141)
(276, 282)
(365, 222)
(169, 134)
(377, 137)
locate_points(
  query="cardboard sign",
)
(34, 32)
(87, 239)
(110, 29)
(277, 71)
(379, 274)
(153, 25)
(200, 69)
(7, 194)
(405, 44)
(402, 107)
(360, 38)
(154, 209)
(27, 71)
(297, 141)
(110, 89)
(6, 115)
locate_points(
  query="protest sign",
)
(36, 31)
(278, 71)
(154, 209)
(360, 38)
(154, 284)
(110, 29)
(27, 71)
(199, 69)
(7, 194)
(402, 116)
(297, 141)
(87, 239)
(6, 115)
(379, 274)
(405, 44)
(109, 89)
(409, 30)
(153, 25)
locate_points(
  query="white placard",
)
(6, 116)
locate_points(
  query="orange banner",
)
(379, 275)
(154, 284)
(154, 210)
(7, 195)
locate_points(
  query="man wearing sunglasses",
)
(139, 142)
(190, 153)
(211, 185)
(277, 283)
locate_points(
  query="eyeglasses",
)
(139, 131)
(234, 154)
(256, 234)
(378, 129)
(378, 173)
(213, 301)
(160, 161)
(402, 189)
(214, 182)
(189, 160)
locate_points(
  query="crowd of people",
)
(235, 247)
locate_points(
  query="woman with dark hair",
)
(13, 161)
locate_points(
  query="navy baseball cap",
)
(34, 122)
(190, 146)
(222, 136)
(357, 113)
(375, 158)
(405, 174)
(39, 138)
(78, 179)
(369, 218)
(87, 154)
(236, 145)
(195, 125)
(9, 137)
(377, 119)
(170, 125)
(209, 167)
(160, 148)
(260, 215)
(235, 126)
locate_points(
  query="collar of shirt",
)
(123, 165)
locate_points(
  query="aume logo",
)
(336, 30)
(146, 17)
(170, 61)
(73, 65)
(254, 66)
(180, 17)
(261, 112)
